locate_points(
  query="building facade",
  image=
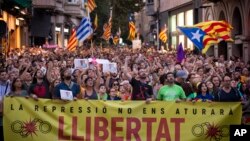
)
(145, 30)
(175, 13)
(237, 13)
(13, 14)
(57, 17)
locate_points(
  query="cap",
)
(181, 74)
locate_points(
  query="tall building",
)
(175, 13)
(53, 20)
(237, 13)
(145, 24)
(13, 13)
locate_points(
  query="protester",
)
(180, 80)
(202, 94)
(102, 94)
(18, 88)
(67, 84)
(227, 93)
(4, 83)
(40, 86)
(144, 74)
(113, 95)
(171, 91)
(140, 89)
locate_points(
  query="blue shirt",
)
(75, 88)
(204, 98)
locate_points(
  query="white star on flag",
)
(196, 36)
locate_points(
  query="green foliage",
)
(120, 15)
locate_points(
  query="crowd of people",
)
(145, 74)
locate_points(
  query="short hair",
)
(169, 74)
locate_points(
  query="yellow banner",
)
(54, 120)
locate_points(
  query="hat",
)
(181, 74)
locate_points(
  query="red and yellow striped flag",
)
(116, 40)
(107, 30)
(73, 42)
(91, 5)
(216, 31)
(163, 35)
(132, 30)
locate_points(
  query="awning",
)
(23, 3)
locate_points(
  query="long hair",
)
(13, 89)
(34, 81)
(199, 91)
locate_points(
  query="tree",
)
(121, 11)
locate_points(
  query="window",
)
(180, 19)
(173, 42)
(190, 44)
(189, 18)
(173, 23)
(73, 1)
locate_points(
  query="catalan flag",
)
(205, 34)
(107, 30)
(91, 5)
(132, 29)
(116, 40)
(117, 37)
(163, 35)
(220, 29)
(72, 43)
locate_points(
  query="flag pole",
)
(101, 45)
(111, 13)
(92, 49)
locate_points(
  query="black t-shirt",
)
(232, 96)
(141, 91)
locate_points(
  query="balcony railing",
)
(44, 3)
(73, 8)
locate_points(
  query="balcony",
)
(74, 9)
(59, 6)
(48, 4)
(150, 9)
